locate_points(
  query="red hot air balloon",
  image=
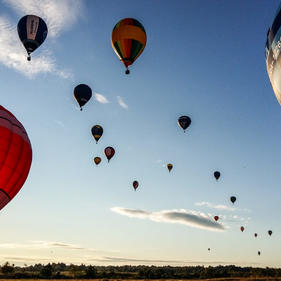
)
(15, 156)
(109, 152)
(135, 185)
(216, 218)
(242, 228)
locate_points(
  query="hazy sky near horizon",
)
(204, 59)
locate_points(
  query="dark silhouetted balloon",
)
(135, 184)
(270, 232)
(15, 156)
(217, 175)
(109, 152)
(259, 253)
(32, 31)
(97, 160)
(170, 167)
(272, 54)
(82, 94)
(128, 40)
(233, 199)
(209, 249)
(242, 228)
(256, 235)
(216, 218)
(97, 132)
(184, 122)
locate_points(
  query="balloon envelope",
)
(170, 167)
(15, 156)
(272, 54)
(97, 160)
(82, 94)
(97, 132)
(270, 232)
(135, 184)
(217, 175)
(216, 218)
(109, 152)
(32, 31)
(184, 122)
(233, 199)
(256, 235)
(128, 40)
(242, 228)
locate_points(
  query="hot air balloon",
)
(184, 122)
(242, 228)
(272, 54)
(97, 132)
(15, 156)
(32, 31)
(256, 235)
(259, 253)
(109, 152)
(209, 249)
(97, 160)
(233, 199)
(270, 232)
(216, 218)
(128, 40)
(217, 175)
(82, 94)
(135, 184)
(170, 167)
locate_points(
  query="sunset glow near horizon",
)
(204, 59)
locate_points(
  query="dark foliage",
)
(63, 271)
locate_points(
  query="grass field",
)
(214, 279)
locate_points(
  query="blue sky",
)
(204, 59)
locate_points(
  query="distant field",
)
(214, 279)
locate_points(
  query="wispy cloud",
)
(40, 245)
(121, 102)
(59, 15)
(101, 98)
(182, 216)
(213, 206)
(123, 260)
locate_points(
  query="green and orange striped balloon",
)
(128, 40)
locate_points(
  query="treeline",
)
(63, 271)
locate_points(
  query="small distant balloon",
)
(97, 160)
(242, 228)
(109, 152)
(216, 218)
(259, 253)
(82, 94)
(233, 199)
(97, 132)
(135, 184)
(256, 235)
(184, 122)
(209, 249)
(217, 175)
(270, 232)
(170, 167)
